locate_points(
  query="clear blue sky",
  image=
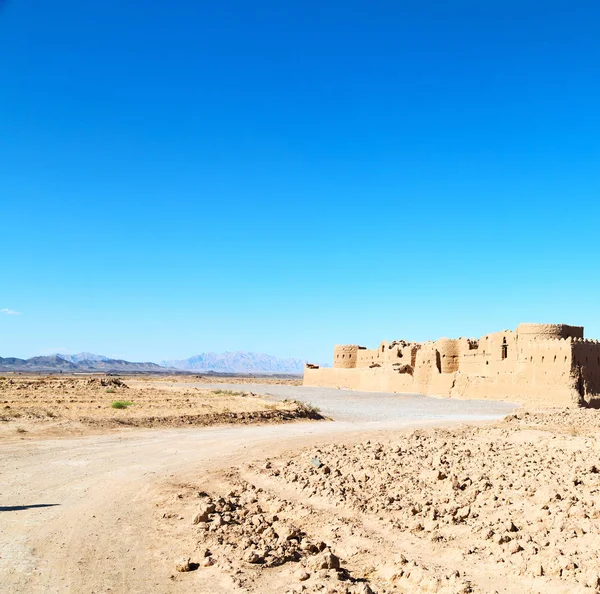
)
(177, 177)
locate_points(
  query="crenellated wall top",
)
(529, 331)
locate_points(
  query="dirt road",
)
(82, 515)
(356, 406)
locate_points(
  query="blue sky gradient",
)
(280, 177)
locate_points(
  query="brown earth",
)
(508, 507)
(59, 405)
(505, 508)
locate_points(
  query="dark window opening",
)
(504, 349)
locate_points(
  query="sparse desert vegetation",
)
(121, 404)
(59, 404)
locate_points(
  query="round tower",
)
(449, 352)
(344, 356)
(529, 332)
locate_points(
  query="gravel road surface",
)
(377, 407)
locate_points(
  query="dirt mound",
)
(250, 529)
(61, 385)
(200, 420)
(525, 502)
(106, 382)
(505, 508)
(575, 421)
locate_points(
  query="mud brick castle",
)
(549, 364)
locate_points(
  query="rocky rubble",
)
(250, 528)
(529, 504)
(574, 421)
(506, 508)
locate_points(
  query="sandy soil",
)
(59, 405)
(506, 507)
(113, 512)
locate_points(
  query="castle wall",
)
(454, 385)
(393, 353)
(471, 359)
(540, 373)
(376, 379)
(496, 353)
(503, 387)
(541, 364)
(387, 353)
(586, 370)
(368, 357)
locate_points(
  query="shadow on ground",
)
(23, 507)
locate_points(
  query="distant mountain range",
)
(84, 362)
(85, 357)
(236, 362)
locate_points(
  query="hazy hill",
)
(79, 357)
(74, 363)
(121, 365)
(50, 363)
(238, 362)
(234, 362)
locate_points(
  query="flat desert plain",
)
(509, 505)
(58, 405)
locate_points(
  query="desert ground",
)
(388, 502)
(59, 405)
